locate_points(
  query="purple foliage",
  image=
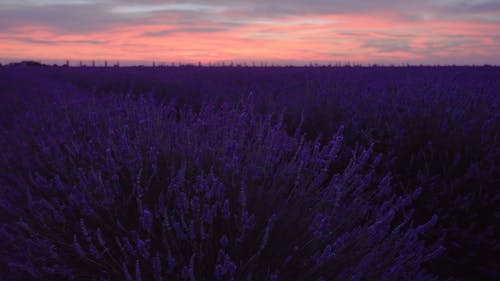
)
(348, 183)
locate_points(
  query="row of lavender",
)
(249, 173)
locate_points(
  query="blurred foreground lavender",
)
(249, 174)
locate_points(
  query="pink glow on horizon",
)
(322, 38)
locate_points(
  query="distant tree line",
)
(32, 63)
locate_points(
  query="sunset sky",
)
(294, 31)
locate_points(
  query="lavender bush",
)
(124, 188)
(319, 174)
(436, 126)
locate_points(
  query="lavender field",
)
(249, 173)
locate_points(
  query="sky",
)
(273, 31)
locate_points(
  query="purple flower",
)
(171, 263)
(146, 220)
(225, 210)
(143, 248)
(78, 248)
(274, 277)
(224, 241)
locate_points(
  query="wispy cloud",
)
(388, 45)
(16, 4)
(172, 7)
(168, 32)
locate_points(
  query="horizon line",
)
(222, 63)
